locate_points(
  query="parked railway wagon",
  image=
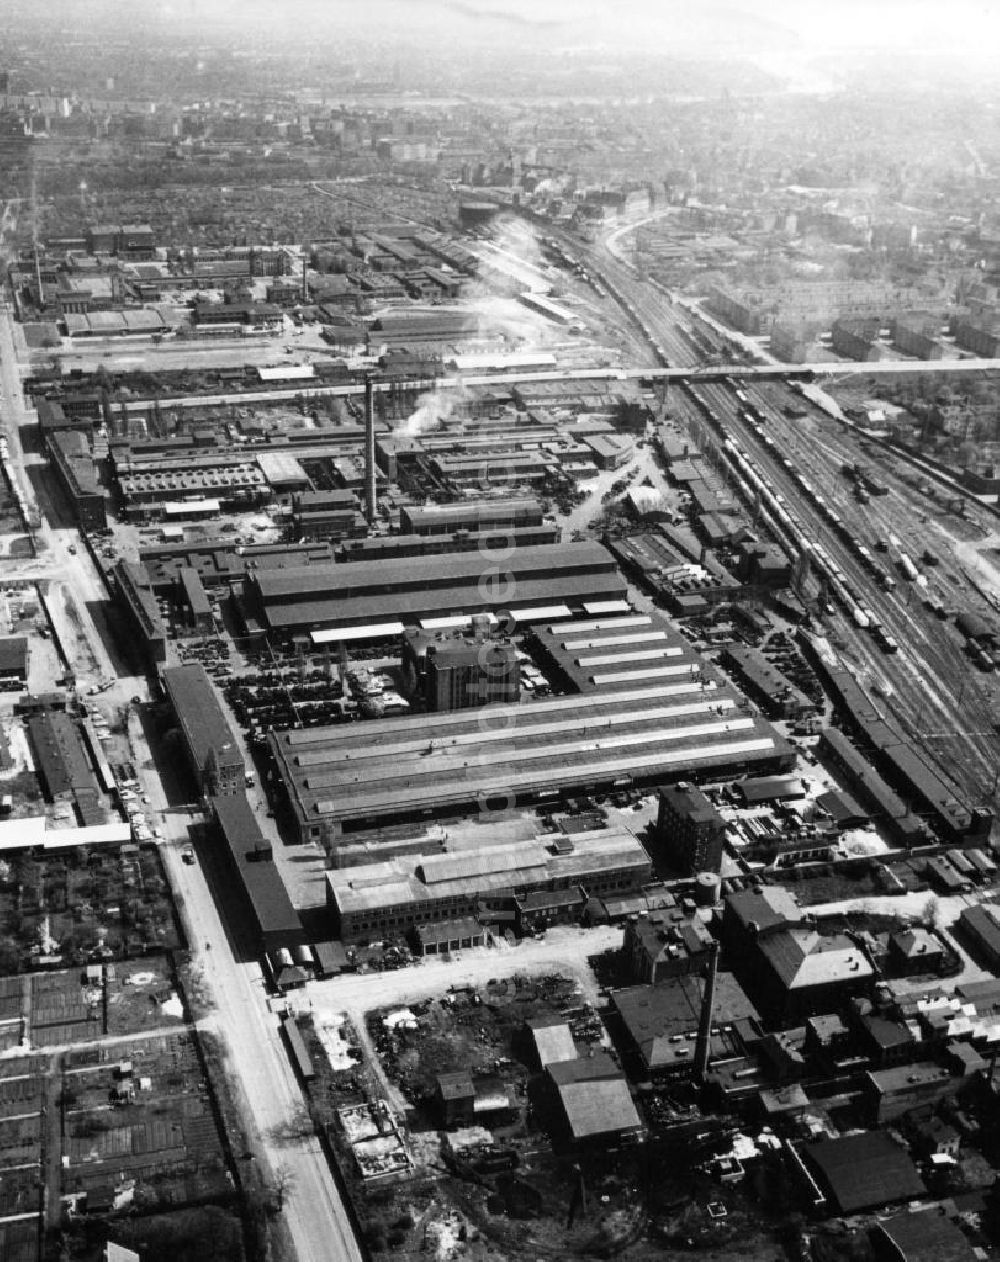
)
(959, 861)
(983, 864)
(946, 876)
(884, 640)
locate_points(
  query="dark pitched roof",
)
(864, 1171)
(593, 1068)
(927, 1236)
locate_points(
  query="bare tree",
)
(931, 914)
(298, 1126)
(283, 1185)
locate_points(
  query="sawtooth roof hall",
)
(349, 777)
(301, 599)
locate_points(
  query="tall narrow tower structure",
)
(371, 500)
(703, 1047)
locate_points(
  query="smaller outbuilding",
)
(594, 1100)
(552, 1040)
(757, 789)
(449, 935)
(13, 662)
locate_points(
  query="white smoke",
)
(512, 261)
(502, 322)
(435, 406)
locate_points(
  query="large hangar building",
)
(319, 598)
(351, 777)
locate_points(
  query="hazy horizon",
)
(752, 29)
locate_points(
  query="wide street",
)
(259, 1067)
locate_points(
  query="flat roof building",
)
(401, 895)
(663, 943)
(458, 672)
(690, 828)
(898, 1089)
(274, 921)
(13, 661)
(980, 926)
(137, 601)
(63, 766)
(73, 462)
(661, 1022)
(769, 687)
(440, 519)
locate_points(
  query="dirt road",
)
(563, 950)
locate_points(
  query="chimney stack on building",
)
(371, 500)
(703, 1047)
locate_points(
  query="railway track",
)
(932, 697)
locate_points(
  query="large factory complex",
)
(499, 637)
(429, 682)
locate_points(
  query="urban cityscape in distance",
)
(499, 631)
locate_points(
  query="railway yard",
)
(940, 693)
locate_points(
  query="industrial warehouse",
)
(615, 652)
(338, 780)
(328, 598)
(485, 884)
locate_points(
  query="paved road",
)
(316, 1216)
